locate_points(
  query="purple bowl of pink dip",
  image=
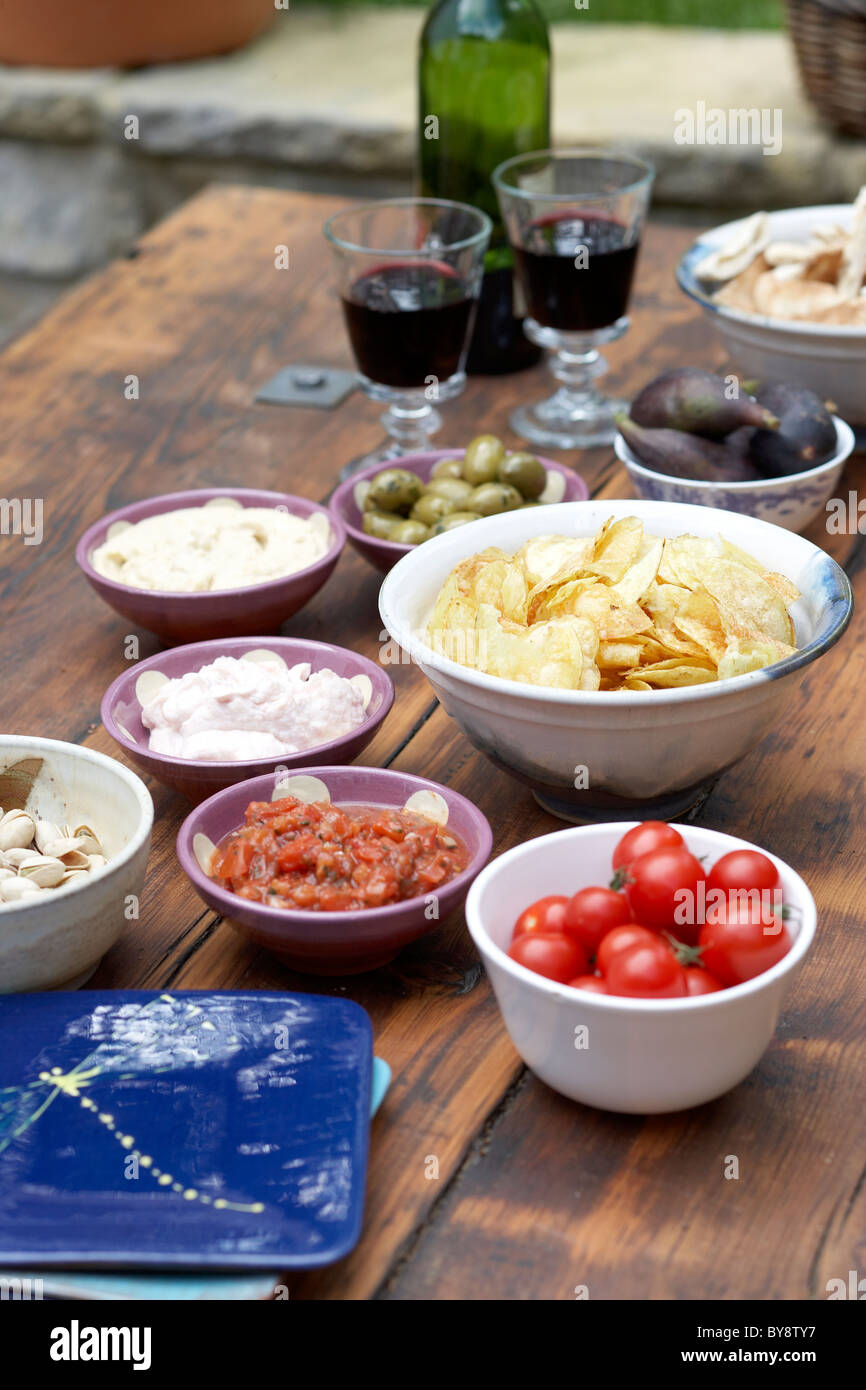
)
(121, 712)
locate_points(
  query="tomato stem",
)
(686, 955)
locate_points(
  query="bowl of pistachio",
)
(75, 831)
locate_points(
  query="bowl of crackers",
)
(786, 292)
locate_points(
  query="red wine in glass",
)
(576, 269)
(408, 321)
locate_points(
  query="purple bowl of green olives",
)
(388, 510)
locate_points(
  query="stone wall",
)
(326, 100)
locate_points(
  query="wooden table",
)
(483, 1183)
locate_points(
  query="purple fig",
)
(680, 455)
(691, 399)
(806, 435)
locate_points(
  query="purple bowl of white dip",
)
(193, 610)
(217, 713)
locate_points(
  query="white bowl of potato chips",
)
(787, 293)
(616, 656)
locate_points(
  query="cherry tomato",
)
(648, 970)
(591, 983)
(546, 915)
(658, 887)
(649, 835)
(700, 981)
(592, 913)
(553, 955)
(742, 942)
(743, 869)
(621, 939)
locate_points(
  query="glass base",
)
(564, 422)
(387, 452)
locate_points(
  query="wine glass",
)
(409, 273)
(574, 220)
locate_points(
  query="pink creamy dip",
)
(234, 710)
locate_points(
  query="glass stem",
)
(577, 371)
(411, 427)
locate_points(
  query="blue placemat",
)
(71, 1284)
(198, 1130)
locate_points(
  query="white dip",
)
(234, 710)
(196, 549)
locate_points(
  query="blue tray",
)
(188, 1130)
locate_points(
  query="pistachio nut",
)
(42, 869)
(16, 830)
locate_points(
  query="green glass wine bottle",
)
(484, 95)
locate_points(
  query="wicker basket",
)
(830, 43)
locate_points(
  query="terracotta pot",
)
(105, 33)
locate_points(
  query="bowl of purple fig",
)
(768, 449)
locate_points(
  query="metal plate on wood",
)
(304, 383)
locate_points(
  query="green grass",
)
(715, 14)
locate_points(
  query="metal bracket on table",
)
(303, 383)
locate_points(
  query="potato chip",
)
(600, 605)
(616, 548)
(546, 654)
(543, 557)
(743, 656)
(618, 654)
(668, 675)
(698, 619)
(747, 605)
(620, 610)
(491, 577)
(637, 580)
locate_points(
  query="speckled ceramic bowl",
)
(383, 554)
(56, 939)
(607, 755)
(793, 502)
(335, 943)
(121, 712)
(248, 612)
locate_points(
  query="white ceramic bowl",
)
(829, 358)
(56, 939)
(643, 751)
(793, 502)
(642, 1056)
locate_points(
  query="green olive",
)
(410, 533)
(380, 524)
(432, 507)
(447, 468)
(448, 523)
(491, 498)
(455, 489)
(482, 458)
(393, 490)
(524, 472)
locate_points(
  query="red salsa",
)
(325, 858)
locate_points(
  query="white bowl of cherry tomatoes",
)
(640, 967)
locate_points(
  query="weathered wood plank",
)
(554, 1195)
(562, 1195)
